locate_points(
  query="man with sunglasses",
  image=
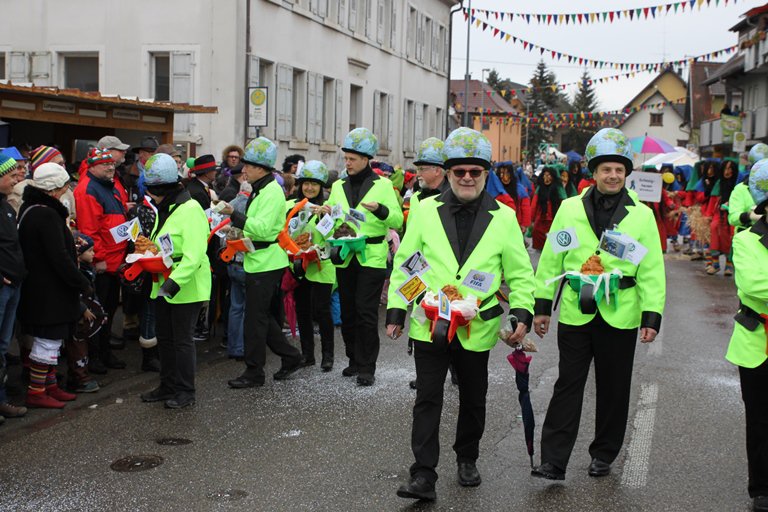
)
(468, 240)
(609, 222)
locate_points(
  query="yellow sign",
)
(411, 289)
(258, 105)
(258, 97)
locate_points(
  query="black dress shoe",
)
(180, 401)
(418, 488)
(243, 382)
(469, 476)
(760, 503)
(327, 364)
(598, 468)
(286, 371)
(365, 380)
(548, 471)
(349, 371)
(307, 362)
(412, 384)
(158, 394)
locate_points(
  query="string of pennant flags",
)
(537, 117)
(601, 16)
(504, 93)
(593, 63)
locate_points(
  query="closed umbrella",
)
(520, 361)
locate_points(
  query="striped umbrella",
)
(650, 145)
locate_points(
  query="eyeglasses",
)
(474, 173)
(424, 168)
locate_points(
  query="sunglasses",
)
(474, 173)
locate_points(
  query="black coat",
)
(231, 190)
(198, 193)
(50, 295)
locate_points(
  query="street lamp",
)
(482, 96)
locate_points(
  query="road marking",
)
(656, 346)
(635, 472)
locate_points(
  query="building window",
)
(299, 105)
(81, 71)
(381, 118)
(657, 119)
(412, 33)
(409, 122)
(440, 123)
(161, 76)
(355, 107)
(427, 42)
(329, 109)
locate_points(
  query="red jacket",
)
(100, 209)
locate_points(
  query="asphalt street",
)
(319, 442)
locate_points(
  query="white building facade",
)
(329, 65)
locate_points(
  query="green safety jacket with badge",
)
(739, 205)
(377, 189)
(187, 226)
(326, 274)
(495, 246)
(263, 221)
(749, 343)
(640, 294)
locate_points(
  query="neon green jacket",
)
(639, 305)
(750, 258)
(191, 271)
(739, 205)
(495, 247)
(418, 197)
(327, 272)
(375, 189)
(264, 219)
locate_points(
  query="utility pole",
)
(466, 72)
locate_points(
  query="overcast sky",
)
(668, 37)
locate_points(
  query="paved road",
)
(318, 442)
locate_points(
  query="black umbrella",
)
(520, 361)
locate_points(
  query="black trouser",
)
(174, 328)
(263, 308)
(313, 302)
(432, 360)
(359, 293)
(754, 382)
(108, 292)
(614, 352)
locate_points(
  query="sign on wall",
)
(257, 106)
(647, 185)
(739, 142)
(729, 125)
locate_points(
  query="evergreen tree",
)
(544, 98)
(585, 100)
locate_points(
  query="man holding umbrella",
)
(467, 240)
(607, 235)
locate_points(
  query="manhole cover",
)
(173, 441)
(134, 463)
(228, 495)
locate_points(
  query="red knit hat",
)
(99, 156)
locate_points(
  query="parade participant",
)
(291, 163)
(12, 273)
(721, 232)
(747, 346)
(602, 223)
(430, 172)
(461, 234)
(50, 295)
(99, 209)
(262, 222)
(235, 180)
(741, 204)
(236, 275)
(565, 181)
(575, 174)
(377, 210)
(517, 192)
(180, 231)
(546, 201)
(313, 294)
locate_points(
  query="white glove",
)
(753, 216)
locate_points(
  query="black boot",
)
(150, 361)
(95, 365)
(327, 363)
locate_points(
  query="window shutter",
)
(380, 18)
(446, 46)
(322, 8)
(420, 39)
(368, 18)
(435, 44)
(284, 101)
(339, 111)
(390, 121)
(342, 18)
(18, 69)
(377, 113)
(419, 131)
(319, 102)
(253, 71)
(41, 68)
(393, 27)
(182, 64)
(353, 15)
(311, 107)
